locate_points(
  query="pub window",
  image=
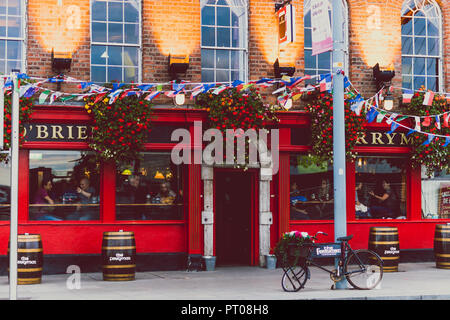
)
(64, 185)
(311, 189)
(5, 191)
(115, 40)
(321, 63)
(12, 35)
(421, 45)
(150, 189)
(224, 40)
(380, 187)
(436, 195)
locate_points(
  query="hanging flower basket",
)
(293, 248)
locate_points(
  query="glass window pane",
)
(237, 59)
(98, 32)
(236, 75)
(14, 50)
(381, 176)
(223, 37)
(434, 203)
(407, 45)
(432, 27)
(130, 74)
(207, 75)
(2, 26)
(64, 185)
(131, 13)
(419, 66)
(2, 66)
(432, 83)
(419, 26)
(407, 82)
(236, 37)
(13, 64)
(115, 32)
(222, 76)
(406, 26)
(234, 19)
(2, 49)
(115, 11)
(5, 189)
(150, 189)
(419, 82)
(14, 7)
(114, 74)
(310, 61)
(98, 74)
(3, 7)
(433, 46)
(98, 10)
(208, 36)
(223, 16)
(432, 67)
(420, 46)
(307, 19)
(207, 58)
(131, 56)
(115, 55)
(311, 190)
(132, 33)
(406, 65)
(208, 16)
(98, 54)
(324, 60)
(222, 59)
(308, 38)
(14, 27)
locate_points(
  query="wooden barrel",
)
(442, 246)
(29, 258)
(119, 256)
(384, 241)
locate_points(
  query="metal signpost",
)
(14, 188)
(340, 210)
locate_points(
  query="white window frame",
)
(22, 39)
(440, 86)
(244, 50)
(109, 44)
(317, 71)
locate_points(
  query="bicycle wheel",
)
(294, 278)
(364, 269)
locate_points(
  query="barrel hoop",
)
(29, 236)
(119, 248)
(390, 268)
(118, 238)
(118, 233)
(442, 231)
(119, 266)
(121, 279)
(28, 279)
(118, 275)
(29, 240)
(30, 250)
(444, 263)
(29, 270)
(384, 242)
(442, 239)
(389, 258)
(383, 229)
(443, 255)
(442, 226)
(384, 233)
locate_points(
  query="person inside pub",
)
(43, 197)
(384, 201)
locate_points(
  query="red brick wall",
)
(173, 26)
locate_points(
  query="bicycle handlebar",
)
(321, 232)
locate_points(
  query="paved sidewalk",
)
(413, 281)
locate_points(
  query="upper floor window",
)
(321, 63)
(421, 45)
(224, 40)
(12, 35)
(116, 40)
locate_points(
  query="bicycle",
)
(362, 268)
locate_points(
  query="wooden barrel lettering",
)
(118, 256)
(29, 259)
(442, 246)
(384, 241)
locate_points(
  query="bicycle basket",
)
(295, 251)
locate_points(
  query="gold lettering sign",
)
(377, 138)
(57, 132)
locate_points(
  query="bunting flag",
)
(66, 98)
(219, 89)
(417, 120)
(407, 96)
(114, 95)
(145, 87)
(30, 92)
(279, 90)
(170, 94)
(437, 123)
(54, 96)
(325, 82)
(447, 141)
(196, 91)
(371, 115)
(410, 131)
(391, 118)
(446, 119)
(394, 126)
(402, 118)
(346, 82)
(428, 141)
(380, 116)
(152, 95)
(428, 98)
(426, 122)
(100, 97)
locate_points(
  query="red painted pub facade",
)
(230, 213)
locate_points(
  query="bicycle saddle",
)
(347, 238)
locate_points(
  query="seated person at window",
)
(85, 195)
(136, 190)
(385, 202)
(361, 210)
(297, 208)
(42, 197)
(165, 195)
(325, 209)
